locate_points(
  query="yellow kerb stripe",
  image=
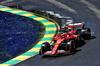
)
(3, 9)
(34, 49)
(4, 65)
(48, 29)
(48, 23)
(49, 35)
(39, 18)
(43, 41)
(21, 57)
(27, 14)
(16, 11)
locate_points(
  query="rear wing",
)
(75, 25)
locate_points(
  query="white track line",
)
(92, 7)
(6, 1)
(61, 5)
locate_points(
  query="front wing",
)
(58, 52)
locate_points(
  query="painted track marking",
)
(61, 5)
(92, 7)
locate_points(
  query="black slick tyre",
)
(71, 46)
(44, 47)
(86, 33)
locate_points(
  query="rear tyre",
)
(78, 32)
(86, 33)
(44, 47)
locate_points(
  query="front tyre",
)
(44, 47)
(71, 46)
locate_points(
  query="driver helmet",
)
(64, 34)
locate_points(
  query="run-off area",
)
(17, 35)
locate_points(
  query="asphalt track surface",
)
(87, 11)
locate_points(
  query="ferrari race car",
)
(66, 41)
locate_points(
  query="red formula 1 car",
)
(66, 41)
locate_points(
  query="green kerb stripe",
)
(10, 10)
(44, 21)
(20, 13)
(50, 26)
(33, 16)
(50, 32)
(47, 39)
(12, 62)
(29, 53)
